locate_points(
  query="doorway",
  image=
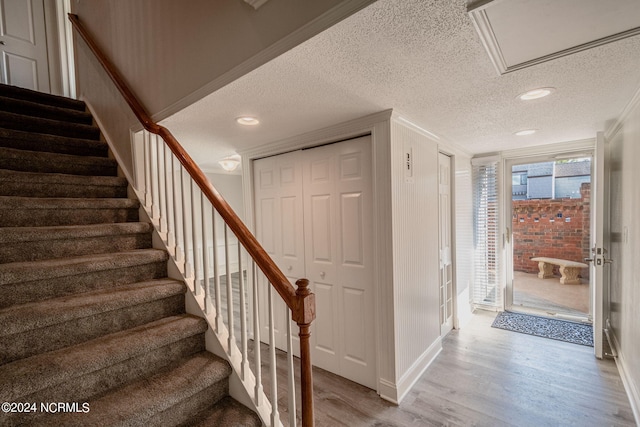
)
(445, 241)
(549, 236)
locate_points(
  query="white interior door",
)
(279, 217)
(314, 216)
(339, 253)
(23, 44)
(444, 238)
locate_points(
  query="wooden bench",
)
(568, 269)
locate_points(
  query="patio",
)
(550, 295)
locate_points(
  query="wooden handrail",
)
(300, 301)
(301, 313)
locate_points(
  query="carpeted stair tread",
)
(37, 161)
(37, 243)
(29, 108)
(30, 234)
(226, 413)
(41, 97)
(39, 184)
(48, 325)
(56, 368)
(150, 401)
(42, 211)
(52, 324)
(25, 317)
(57, 281)
(20, 272)
(48, 126)
(32, 141)
(13, 202)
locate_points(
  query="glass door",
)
(549, 221)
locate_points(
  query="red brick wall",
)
(538, 230)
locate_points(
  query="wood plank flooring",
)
(486, 377)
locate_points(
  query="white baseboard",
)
(388, 391)
(414, 373)
(630, 385)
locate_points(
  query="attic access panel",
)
(522, 33)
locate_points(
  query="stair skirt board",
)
(88, 312)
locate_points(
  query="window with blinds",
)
(486, 290)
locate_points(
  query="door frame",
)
(62, 67)
(452, 214)
(532, 155)
(509, 241)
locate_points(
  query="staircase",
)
(88, 316)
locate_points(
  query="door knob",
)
(322, 274)
(289, 268)
(2, 42)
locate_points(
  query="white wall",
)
(415, 228)
(625, 247)
(230, 187)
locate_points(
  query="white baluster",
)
(256, 336)
(188, 267)
(243, 316)
(194, 233)
(153, 174)
(291, 381)
(216, 274)
(168, 193)
(162, 220)
(275, 415)
(229, 292)
(177, 209)
(148, 196)
(205, 255)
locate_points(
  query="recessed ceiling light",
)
(525, 132)
(536, 93)
(247, 121)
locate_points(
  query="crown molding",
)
(616, 126)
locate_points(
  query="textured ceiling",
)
(425, 60)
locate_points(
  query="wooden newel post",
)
(306, 314)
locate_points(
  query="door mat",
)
(561, 330)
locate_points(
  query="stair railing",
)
(188, 213)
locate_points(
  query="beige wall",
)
(625, 248)
(168, 50)
(171, 53)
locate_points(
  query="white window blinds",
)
(486, 290)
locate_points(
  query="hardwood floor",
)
(487, 377)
